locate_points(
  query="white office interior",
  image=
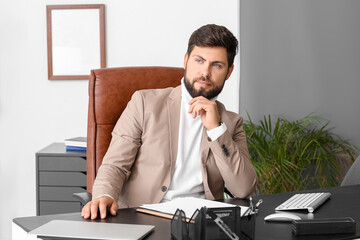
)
(296, 57)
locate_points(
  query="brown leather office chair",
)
(109, 92)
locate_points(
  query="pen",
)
(247, 212)
(258, 203)
(250, 207)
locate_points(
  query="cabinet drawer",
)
(62, 164)
(58, 207)
(59, 193)
(76, 179)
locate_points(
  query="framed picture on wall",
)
(75, 40)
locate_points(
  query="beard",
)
(213, 92)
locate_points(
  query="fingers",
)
(197, 99)
(90, 210)
(100, 207)
(94, 209)
(85, 212)
(198, 105)
(114, 208)
(196, 110)
(201, 106)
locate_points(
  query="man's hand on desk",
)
(102, 205)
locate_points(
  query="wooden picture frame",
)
(75, 40)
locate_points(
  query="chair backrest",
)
(110, 90)
(352, 176)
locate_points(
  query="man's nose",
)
(205, 71)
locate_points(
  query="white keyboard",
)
(301, 201)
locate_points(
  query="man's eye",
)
(217, 65)
(198, 60)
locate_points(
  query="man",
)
(178, 142)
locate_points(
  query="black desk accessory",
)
(324, 226)
(213, 224)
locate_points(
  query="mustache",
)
(203, 79)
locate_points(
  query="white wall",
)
(35, 112)
(300, 57)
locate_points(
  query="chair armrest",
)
(83, 197)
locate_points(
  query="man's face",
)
(206, 69)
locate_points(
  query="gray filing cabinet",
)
(59, 174)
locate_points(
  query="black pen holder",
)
(247, 227)
(213, 224)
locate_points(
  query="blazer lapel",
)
(173, 105)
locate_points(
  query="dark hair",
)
(212, 35)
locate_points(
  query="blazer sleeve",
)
(120, 156)
(233, 160)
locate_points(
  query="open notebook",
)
(92, 230)
(187, 204)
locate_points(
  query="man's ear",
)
(229, 71)
(185, 59)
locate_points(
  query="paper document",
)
(187, 204)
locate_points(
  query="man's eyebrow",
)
(198, 56)
(221, 62)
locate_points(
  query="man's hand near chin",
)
(99, 205)
(207, 110)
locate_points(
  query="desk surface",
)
(344, 202)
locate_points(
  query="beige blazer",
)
(139, 164)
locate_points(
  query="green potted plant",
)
(296, 155)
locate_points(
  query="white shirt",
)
(187, 178)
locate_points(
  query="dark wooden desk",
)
(344, 202)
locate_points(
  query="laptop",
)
(92, 230)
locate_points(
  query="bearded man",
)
(178, 142)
